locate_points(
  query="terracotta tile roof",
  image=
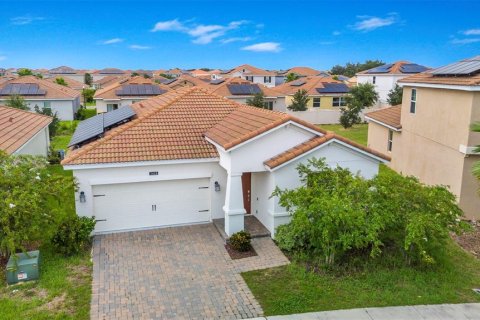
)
(108, 80)
(53, 90)
(109, 92)
(19, 126)
(390, 116)
(425, 77)
(222, 88)
(395, 69)
(310, 84)
(303, 71)
(306, 146)
(75, 85)
(186, 80)
(251, 71)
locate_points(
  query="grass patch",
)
(64, 134)
(358, 133)
(91, 104)
(293, 289)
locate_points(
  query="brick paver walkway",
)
(174, 273)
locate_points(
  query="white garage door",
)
(151, 204)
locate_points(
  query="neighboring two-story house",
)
(126, 92)
(429, 135)
(255, 75)
(326, 95)
(63, 100)
(66, 73)
(385, 77)
(99, 74)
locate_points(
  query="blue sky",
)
(269, 34)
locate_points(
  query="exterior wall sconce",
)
(217, 186)
(83, 199)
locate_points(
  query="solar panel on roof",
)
(381, 69)
(298, 83)
(95, 126)
(466, 67)
(333, 88)
(168, 81)
(26, 89)
(140, 90)
(412, 68)
(244, 89)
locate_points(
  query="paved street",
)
(174, 273)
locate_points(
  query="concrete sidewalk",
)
(466, 311)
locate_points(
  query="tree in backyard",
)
(476, 166)
(146, 76)
(88, 95)
(53, 126)
(168, 76)
(395, 95)
(31, 201)
(134, 74)
(291, 77)
(24, 72)
(350, 69)
(258, 100)
(61, 81)
(340, 217)
(360, 97)
(16, 101)
(38, 75)
(88, 79)
(299, 101)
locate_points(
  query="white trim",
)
(467, 150)
(382, 124)
(140, 179)
(36, 134)
(136, 164)
(348, 146)
(279, 214)
(440, 86)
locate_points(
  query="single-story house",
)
(63, 100)
(126, 92)
(24, 132)
(189, 156)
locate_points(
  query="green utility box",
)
(27, 267)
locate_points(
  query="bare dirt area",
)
(470, 241)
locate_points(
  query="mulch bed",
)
(234, 254)
(470, 241)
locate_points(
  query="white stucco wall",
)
(65, 109)
(37, 146)
(322, 116)
(383, 83)
(101, 104)
(278, 103)
(87, 178)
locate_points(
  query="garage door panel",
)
(151, 204)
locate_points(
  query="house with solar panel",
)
(62, 100)
(255, 75)
(126, 92)
(99, 74)
(66, 73)
(385, 77)
(429, 136)
(239, 90)
(327, 96)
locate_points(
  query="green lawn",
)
(64, 288)
(64, 134)
(291, 289)
(358, 133)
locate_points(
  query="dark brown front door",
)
(246, 189)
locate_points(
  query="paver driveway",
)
(174, 273)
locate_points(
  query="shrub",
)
(240, 241)
(84, 113)
(73, 235)
(342, 217)
(53, 156)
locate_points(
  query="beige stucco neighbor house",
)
(429, 135)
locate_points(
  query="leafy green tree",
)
(16, 101)
(476, 166)
(395, 95)
(31, 201)
(134, 74)
(38, 75)
(350, 69)
(299, 101)
(291, 77)
(61, 81)
(338, 216)
(24, 72)
(53, 126)
(88, 79)
(168, 76)
(361, 96)
(258, 100)
(88, 95)
(146, 76)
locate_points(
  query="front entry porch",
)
(251, 224)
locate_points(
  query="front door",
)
(247, 190)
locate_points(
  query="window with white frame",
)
(413, 101)
(249, 78)
(268, 105)
(339, 102)
(267, 79)
(112, 106)
(390, 140)
(316, 102)
(47, 105)
(374, 80)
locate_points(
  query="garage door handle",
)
(202, 187)
(99, 195)
(100, 220)
(203, 210)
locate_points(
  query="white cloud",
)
(264, 47)
(139, 47)
(336, 33)
(112, 41)
(368, 23)
(3, 58)
(24, 20)
(170, 25)
(471, 32)
(201, 34)
(235, 39)
(465, 41)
